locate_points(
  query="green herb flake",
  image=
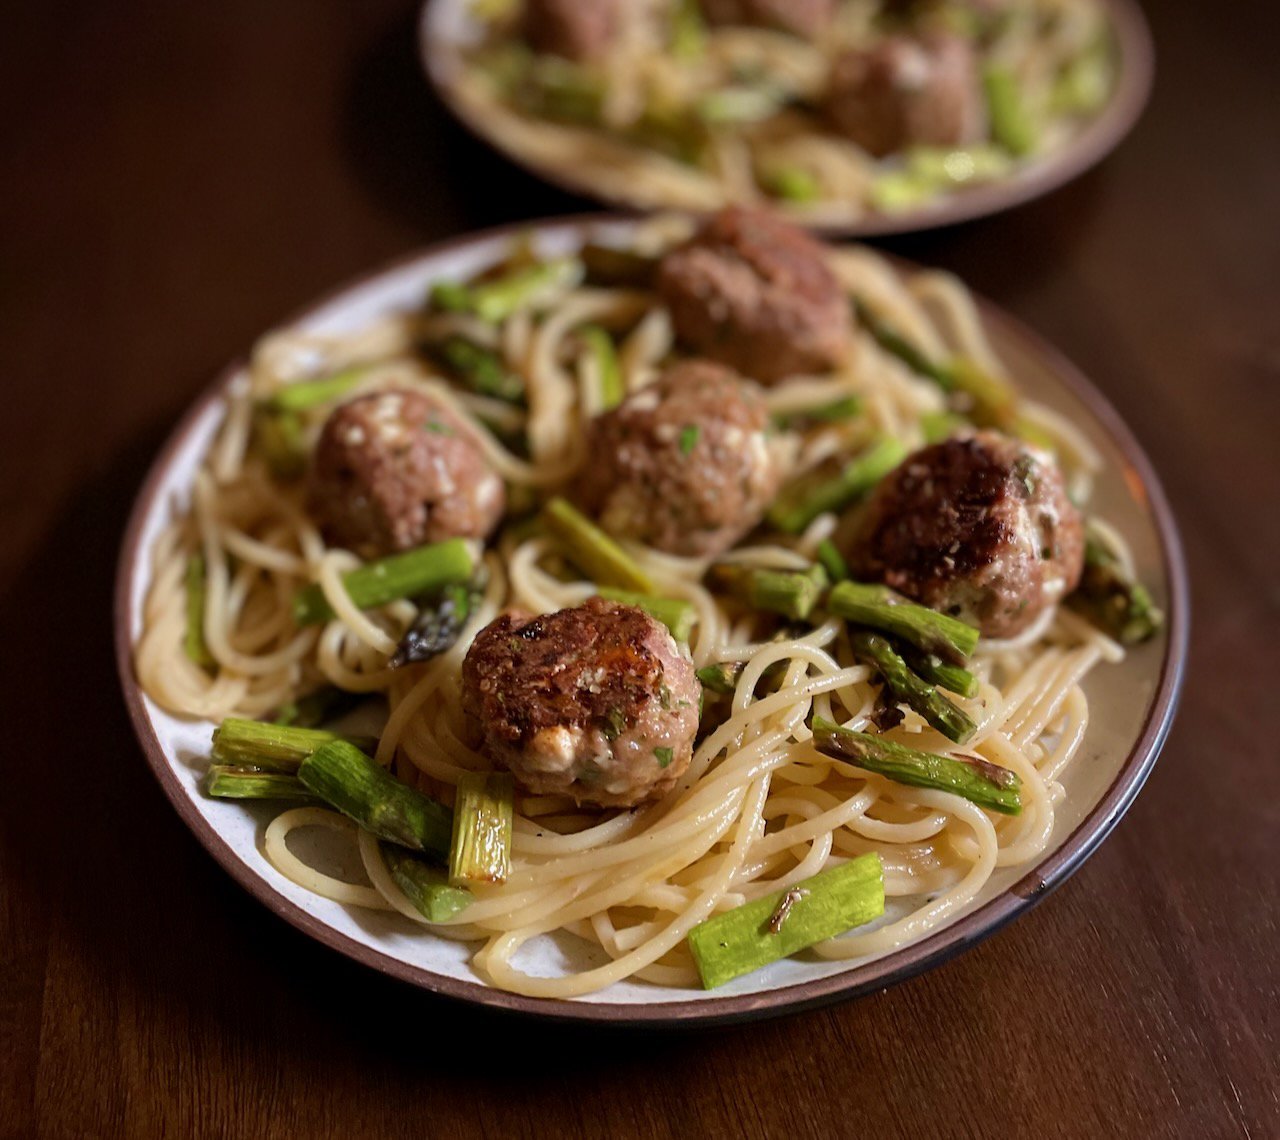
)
(689, 438)
(437, 428)
(665, 756)
(614, 723)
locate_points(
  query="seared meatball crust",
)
(754, 292)
(685, 464)
(396, 468)
(596, 702)
(979, 527)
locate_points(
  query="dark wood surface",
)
(177, 177)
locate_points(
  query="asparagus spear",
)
(423, 885)
(1110, 599)
(593, 551)
(721, 678)
(987, 785)
(1012, 125)
(688, 31)
(897, 345)
(792, 184)
(676, 614)
(345, 778)
(794, 594)
(436, 628)
(803, 501)
(612, 267)
(494, 301)
(844, 408)
(479, 369)
(832, 561)
(243, 743)
(308, 394)
(318, 707)
(600, 344)
(734, 106)
(193, 643)
(911, 690)
(785, 922)
(937, 672)
(938, 426)
(482, 821)
(880, 608)
(421, 571)
(226, 783)
(280, 439)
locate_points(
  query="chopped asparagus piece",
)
(937, 672)
(803, 501)
(938, 426)
(319, 707)
(954, 723)
(721, 678)
(436, 628)
(985, 784)
(1012, 124)
(688, 30)
(281, 440)
(479, 369)
(897, 345)
(832, 561)
(792, 184)
(243, 743)
(308, 394)
(843, 409)
(759, 932)
(733, 106)
(1110, 599)
(600, 344)
(880, 608)
(676, 614)
(421, 571)
(346, 779)
(988, 400)
(193, 642)
(593, 551)
(794, 594)
(483, 815)
(423, 885)
(225, 783)
(496, 299)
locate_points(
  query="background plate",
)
(1131, 704)
(445, 27)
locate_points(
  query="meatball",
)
(756, 293)
(685, 464)
(805, 18)
(394, 469)
(596, 702)
(580, 30)
(904, 92)
(979, 527)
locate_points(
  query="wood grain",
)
(178, 177)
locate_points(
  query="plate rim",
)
(898, 965)
(1099, 138)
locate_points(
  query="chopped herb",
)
(614, 723)
(665, 756)
(689, 438)
(434, 425)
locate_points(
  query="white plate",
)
(1131, 704)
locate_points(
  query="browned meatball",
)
(805, 18)
(685, 464)
(595, 702)
(906, 92)
(979, 527)
(394, 469)
(581, 30)
(756, 293)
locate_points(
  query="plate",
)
(1131, 704)
(446, 28)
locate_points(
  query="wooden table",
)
(176, 178)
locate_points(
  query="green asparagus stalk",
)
(721, 678)
(1084, 82)
(1012, 125)
(803, 501)
(897, 345)
(437, 627)
(193, 643)
(559, 89)
(495, 300)
(881, 609)
(676, 614)
(483, 816)
(1110, 599)
(226, 783)
(794, 594)
(346, 779)
(937, 672)
(478, 369)
(989, 401)
(240, 743)
(792, 184)
(593, 551)
(423, 885)
(308, 394)
(280, 439)
(784, 922)
(600, 344)
(843, 409)
(985, 784)
(910, 689)
(612, 267)
(938, 426)
(688, 30)
(424, 570)
(832, 561)
(734, 106)
(319, 707)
